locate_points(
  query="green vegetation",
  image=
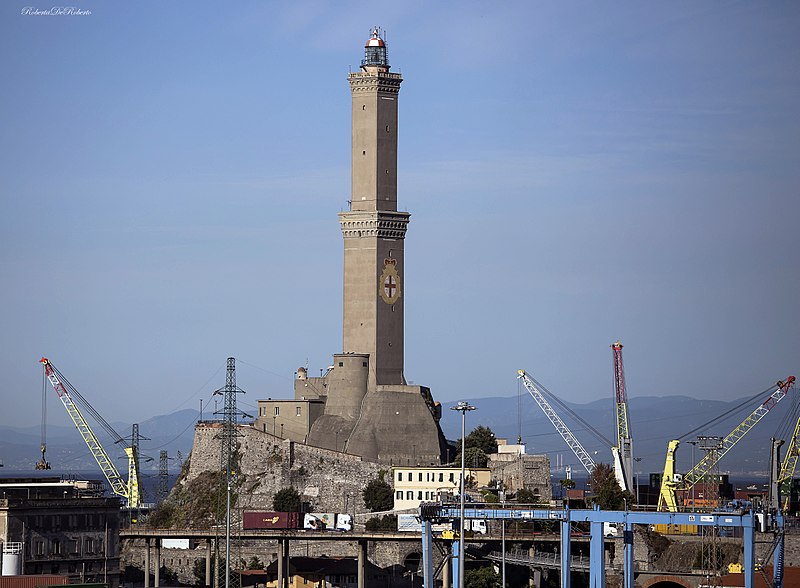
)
(378, 495)
(605, 487)
(384, 523)
(525, 496)
(287, 500)
(481, 578)
(479, 444)
(199, 503)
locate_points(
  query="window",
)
(89, 545)
(399, 476)
(419, 494)
(72, 546)
(399, 495)
(277, 411)
(420, 476)
(56, 550)
(341, 364)
(452, 479)
(72, 521)
(39, 548)
(441, 476)
(409, 495)
(298, 411)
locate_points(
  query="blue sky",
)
(170, 174)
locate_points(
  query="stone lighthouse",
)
(369, 408)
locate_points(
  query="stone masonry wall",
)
(330, 481)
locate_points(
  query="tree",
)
(567, 483)
(473, 458)
(384, 523)
(378, 496)
(525, 496)
(482, 438)
(607, 492)
(287, 500)
(481, 578)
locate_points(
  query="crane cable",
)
(727, 413)
(88, 407)
(545, 392)
(44, 416)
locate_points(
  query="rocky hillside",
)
(328, 481)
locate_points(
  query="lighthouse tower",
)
(373, 229)
(369, 409)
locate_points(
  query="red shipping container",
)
(270, 520)
(32, 581)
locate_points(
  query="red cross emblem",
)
(389, 286)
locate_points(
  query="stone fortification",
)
(531, 472)
(330, 481)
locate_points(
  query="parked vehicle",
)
(270, 520)
(319, 521)
(410, 523)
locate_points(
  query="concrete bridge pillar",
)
(147, 563)
(283, 572)
(158, 563)
(208, 562)
(446, 581)
(362, 563)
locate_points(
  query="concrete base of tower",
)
(399, 425)
(331, 431)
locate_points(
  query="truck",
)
(410, 523)
(449, 530)
(610, 530)
(270, 520)
(471, 528)
(319, 521)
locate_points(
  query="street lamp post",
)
(462, 407)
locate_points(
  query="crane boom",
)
(670, 483)
(572, 442)
(790, 458)
(623, 453)
(128, 490)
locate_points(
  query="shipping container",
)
(32, 581)
(271, 520)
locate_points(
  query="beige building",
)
(414, 485)
(288, 419)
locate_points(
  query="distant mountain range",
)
(68, 454)
(654, 421)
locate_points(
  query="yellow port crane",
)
(672, 481)
(128, 490)
(789, 465)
